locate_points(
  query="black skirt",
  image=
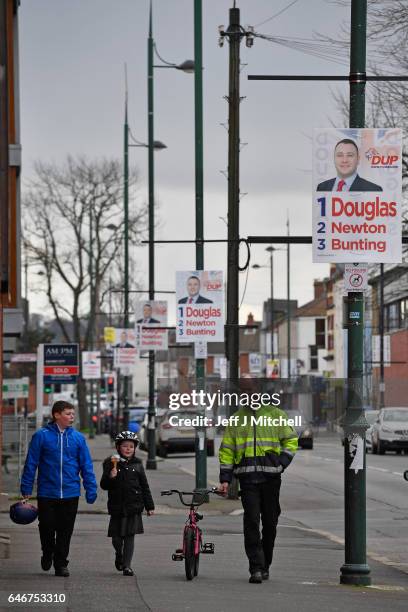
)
(122, 526)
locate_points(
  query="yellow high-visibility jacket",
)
(252, 443)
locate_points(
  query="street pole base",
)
(200, 496)
(357, 574)
(151, 464)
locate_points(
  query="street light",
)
(271, 251)
(186, 66)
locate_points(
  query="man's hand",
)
(223, 488)
(25, 497)
(150, 512)
(113, 473)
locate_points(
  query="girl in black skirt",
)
(128, 495)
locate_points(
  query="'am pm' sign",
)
(61, 363)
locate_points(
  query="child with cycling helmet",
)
(128, 495)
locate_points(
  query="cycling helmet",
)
(23, 513)
(124, 436)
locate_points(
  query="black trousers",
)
(261, 503)
(124, 548)
(56, 523)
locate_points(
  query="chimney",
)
(250, 320)
(318, 288)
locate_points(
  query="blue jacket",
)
(59, 457)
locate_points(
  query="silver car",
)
(390, 431)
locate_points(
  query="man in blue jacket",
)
(60, 454)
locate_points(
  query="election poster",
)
(123, 344)
(200, 306)
(149, 316)
(357, 201)
(273, 368)
(91, 365)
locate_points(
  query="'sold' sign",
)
(61, 363)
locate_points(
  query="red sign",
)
(61, 370)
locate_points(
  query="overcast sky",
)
(72, 55)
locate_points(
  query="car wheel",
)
(381, 448)
(398, 451)
(162, 451)
(374, 448)
(308, 445)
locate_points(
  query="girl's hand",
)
(113, 473)
(150, 512)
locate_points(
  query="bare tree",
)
(72, 213)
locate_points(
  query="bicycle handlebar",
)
(202, 494)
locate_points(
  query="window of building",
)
(396, 315)
(313, 360)
(320, 329)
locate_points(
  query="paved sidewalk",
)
(305, 572)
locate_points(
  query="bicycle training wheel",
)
(189, 557)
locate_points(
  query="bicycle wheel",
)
(196, 564)
(189, 557)
(197, 557)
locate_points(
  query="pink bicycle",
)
(193, 543)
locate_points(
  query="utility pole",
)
(355, 569)
(234, 34)
(91, 318)
(126, 253)
(151, 463)
(289, 313)
(200, 442)
(381, 333)
(270, 250)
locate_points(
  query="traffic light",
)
(47, 388)
(111, 384)
(103, 384)
(57, 388)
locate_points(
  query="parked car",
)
(390, 431)
(173, 438)
(371, 416)
(304, 431)
(137, 414)
(142, 434)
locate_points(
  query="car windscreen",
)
(396, 415)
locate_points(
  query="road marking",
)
(237, 512)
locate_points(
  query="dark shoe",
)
(62, 571)
(265, 574)
(46, 563)
(256, 578)
(127, 571)
(118, 563)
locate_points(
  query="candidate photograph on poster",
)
(200, 305)
(357, 195)
(149, 316)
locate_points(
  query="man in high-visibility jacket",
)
(257, 446)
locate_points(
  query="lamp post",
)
(186, 66)
(91, 320)
(270, 250)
